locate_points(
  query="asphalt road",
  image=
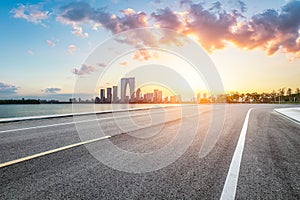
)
(269, 168)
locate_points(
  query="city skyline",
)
(134, 96)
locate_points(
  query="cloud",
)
(77, 30)
(82, 12)
(7, 89)
(165, 18)
(211, 26)
(124, 63)
(31, 13)
(242, 5)
(96, 26)
(77, 12)
(51, 90)
(101, 64)
(142, 54)
(30, 52)
(272, 30)
(84, 69)
(50, 43)
(214, 27)
(71, 49)
(128, 11)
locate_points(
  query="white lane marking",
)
(69, 114)
(36, 127)
(15, 119)
(229, 189)
(51, 151)
(83, 121)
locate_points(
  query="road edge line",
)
(286, 116)
(229, 189)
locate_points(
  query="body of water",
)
(27, 110)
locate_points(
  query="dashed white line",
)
(51, 151)
(229, 189)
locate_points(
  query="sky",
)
(45, 45)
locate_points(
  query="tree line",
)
(282, 95)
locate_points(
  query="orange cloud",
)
(124, 63)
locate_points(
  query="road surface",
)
(268, 169)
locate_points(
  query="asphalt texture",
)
(270, 164)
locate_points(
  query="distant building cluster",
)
(111, 95)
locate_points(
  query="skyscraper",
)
(102, 95)
(166, 100)
(157, 96)
(115, 94)
(149, 97)
(108, 91)
(131, 83)
(138, 94)
(178, 98)
(198, 97)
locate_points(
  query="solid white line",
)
(83, 121)
(76, 114)
(51, 151)
(229, 189)
(36, 127)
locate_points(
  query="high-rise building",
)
(115, 94)
(166, 100)
(108, 94)
(148, 98)
(102, 95)
(157, 96)
(198, 97)
(178, 98)
(173, 99)
(138, 94)
(124, 83)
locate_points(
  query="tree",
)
(281, 93)
(297, 94)
(289, 93)
(273, 95)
